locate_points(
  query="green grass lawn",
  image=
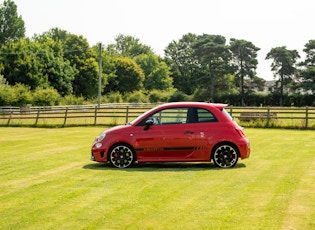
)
(48, 182)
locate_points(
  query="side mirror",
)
(148, 123)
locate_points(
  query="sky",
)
(156, 23)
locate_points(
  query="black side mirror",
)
(148, 123)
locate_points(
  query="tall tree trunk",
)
(211, 83)
(242, 91)
(242, 85)
(281, 90)
(211, 88)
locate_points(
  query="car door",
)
(206, 129)
(170, 138)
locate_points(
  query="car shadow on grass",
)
(162, 167)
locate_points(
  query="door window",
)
(171, 116)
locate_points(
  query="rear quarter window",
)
(227, 114)
(206, 116)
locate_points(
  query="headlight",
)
(100, 137)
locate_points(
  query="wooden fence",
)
(115, 114)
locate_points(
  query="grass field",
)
(48, 182)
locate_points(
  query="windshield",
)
(140, 117)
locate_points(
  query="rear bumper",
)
(245, 149)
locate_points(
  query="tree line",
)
(58, 67)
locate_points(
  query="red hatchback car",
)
(175, 132)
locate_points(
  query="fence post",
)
(37, 116)
(10, 117)
(268, 116)
(306, 117)
(66, 115)
(231, 111)
(127, 114)
(95, 115)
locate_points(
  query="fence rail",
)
(114, 114)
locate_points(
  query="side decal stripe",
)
(157, 149)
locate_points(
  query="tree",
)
(244, 59)
(82, 59)
(214, 54)
(128, 46)
(11, 25)
(128, 76)
(185, 68)
(307, 73)
(157, 74)
(85, 62)
(22, 64)
(36, 63)
(283, 66)
(59, 71)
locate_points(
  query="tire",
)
(121, 156)
(225, 155)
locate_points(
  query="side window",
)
(172, 116)
(180, 115)
(205, 116)
(167, 117)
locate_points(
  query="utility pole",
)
(99, 75)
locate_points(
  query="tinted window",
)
(205, 116)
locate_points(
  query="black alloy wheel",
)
(225, 156)
(121, 156)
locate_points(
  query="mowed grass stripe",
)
(59, 188)
(302, 202)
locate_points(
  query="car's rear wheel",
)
(225, 155)
(121, 156)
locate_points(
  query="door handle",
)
(189, 132)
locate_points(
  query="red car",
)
(175, 132)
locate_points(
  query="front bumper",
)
(92, 156)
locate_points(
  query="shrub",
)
(137, 97)
(46, 97)
(179, 96)
(7, 95)
(72, 100)
(159, 96)
(113, 97)
(23, 95)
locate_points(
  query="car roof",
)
(201, 104)
(218, 106)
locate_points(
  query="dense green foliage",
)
(11, 25)
(196, 67)
(307, 73)
(244, 58)
(283, 65)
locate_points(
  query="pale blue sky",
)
(268, 23)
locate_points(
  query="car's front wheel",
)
(225, 155)
(121, 156)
